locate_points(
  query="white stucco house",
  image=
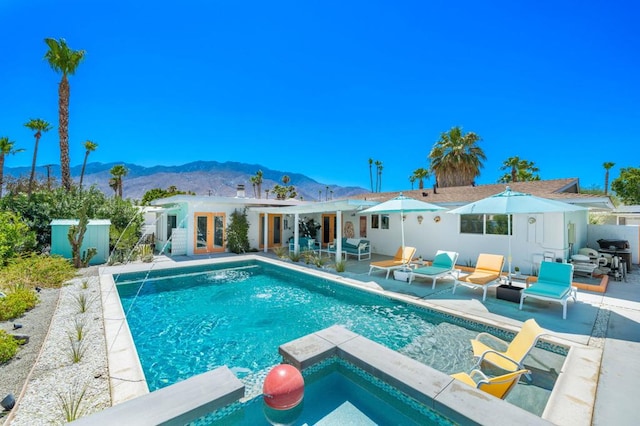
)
(196, 225)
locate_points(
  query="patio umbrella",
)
(511, 202)
(402, 205)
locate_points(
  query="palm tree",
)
(412, 179)
(608, 165)
(89, 148)
(6, 148)
(38, 126)
(65, 61)
(118, 173)
(378, 164)
(371, 173)
(519, 170)
(456, 159)
(421, 174)
(286, 179)
(257, 184)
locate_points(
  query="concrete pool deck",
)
(605, 326)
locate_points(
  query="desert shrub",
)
(15, 236)
(8, 346)
(18, 300)
(281, 252)
(35, 270)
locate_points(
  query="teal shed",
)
(97, 235)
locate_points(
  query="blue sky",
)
(319, 87)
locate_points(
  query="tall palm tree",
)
(286, 179)
(65, 61)
(257, 184)
(118, 173)
(38, 126)
(412, 179)
(371, 173)
(378, 164)
(608, 165)
(6, 148)
(456, 159)
(421, 174)
(89, 148)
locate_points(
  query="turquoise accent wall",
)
(97, 235)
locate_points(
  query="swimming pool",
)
(186, 321)
(336, 392)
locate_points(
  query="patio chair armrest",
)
(501, 355)
(493, 339)
(478, 375)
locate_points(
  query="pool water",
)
(336, 392)
(187, 321)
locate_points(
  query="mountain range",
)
(200, 177)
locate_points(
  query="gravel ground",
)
(45, 364)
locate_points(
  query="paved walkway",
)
(610, 321)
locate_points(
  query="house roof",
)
(244, 201)
(319, 207)
(566, 190)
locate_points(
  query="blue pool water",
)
(187, 321)
(336, 392)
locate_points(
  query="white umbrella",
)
(511, 202)
(402, 205)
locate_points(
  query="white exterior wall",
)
(530, 241)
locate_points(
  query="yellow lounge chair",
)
(400, 260)
(486, 274)
(498, 386)
(512, 358)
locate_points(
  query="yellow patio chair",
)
(513, 356)
(400, 260)
(486, 273)
(498, 386)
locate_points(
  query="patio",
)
(608, 321)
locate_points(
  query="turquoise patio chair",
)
(443, 265)
(554, 284)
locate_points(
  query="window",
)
(498, 224)
(490, 224)
(172, 222)
(375, 221)
(385, 221)
(471, 224)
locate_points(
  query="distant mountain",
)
(201, 177)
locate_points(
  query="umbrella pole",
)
(509, 229)
(402, 232)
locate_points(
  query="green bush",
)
(18, 301)
(15, 236)
(8, 346)
(37, 271)
(238, 233)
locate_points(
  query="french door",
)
(329, 221)
(208, 232)
(274, 234)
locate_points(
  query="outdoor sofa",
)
(357, 247)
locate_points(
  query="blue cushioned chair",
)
(554, 284)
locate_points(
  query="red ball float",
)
(283, 387)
